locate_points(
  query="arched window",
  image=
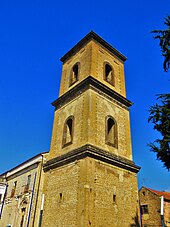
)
(109, 74)
(68, 131)
(74, 76)
(111, 131)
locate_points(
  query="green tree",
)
(164, 42)
(160, 112)
(160, 117)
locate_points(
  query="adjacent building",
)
(154, 207)
(3, 188)
(22, 187)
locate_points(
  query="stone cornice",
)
(90, 83)
(93, 152)
(92, 36)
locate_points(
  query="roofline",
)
(142, 187)
(92, 36)
(28, 160)
(153, 191)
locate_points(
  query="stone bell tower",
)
(90, 178)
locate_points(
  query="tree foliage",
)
(160, 113)
(160, 117)
(164, 42)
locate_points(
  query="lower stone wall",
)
(116, 196)
(60, 189)
(90, 193)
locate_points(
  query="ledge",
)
(90, 82)
(93, 152)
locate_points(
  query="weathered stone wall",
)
(167, 213)
(90, 193)
(78, 108)
(101, 107)
(90, 110)
(61, 188)
(116, 196)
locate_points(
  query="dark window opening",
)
(26, 188)
(144, 209)
(114, 198)
(22, 218)
(74, 74)
(60, 197)
(111, 132)
(109, 74)
(68, 132)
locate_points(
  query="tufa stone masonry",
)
(90, 178)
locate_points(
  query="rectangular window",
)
(26, 188)
(13, 189)
(29, 180)
(144, 209)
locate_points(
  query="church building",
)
(88, 178)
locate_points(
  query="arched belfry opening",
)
(74, 75)
(111, 132)
(68, 131)
(109, 74)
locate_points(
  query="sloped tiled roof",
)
(166, 195)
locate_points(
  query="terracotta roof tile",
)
(166, 195)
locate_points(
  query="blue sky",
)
(34, 35)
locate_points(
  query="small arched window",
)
(109, 74)
(68, 131)
(111, 132)
(74, 76)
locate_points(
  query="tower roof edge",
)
(92, 35)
